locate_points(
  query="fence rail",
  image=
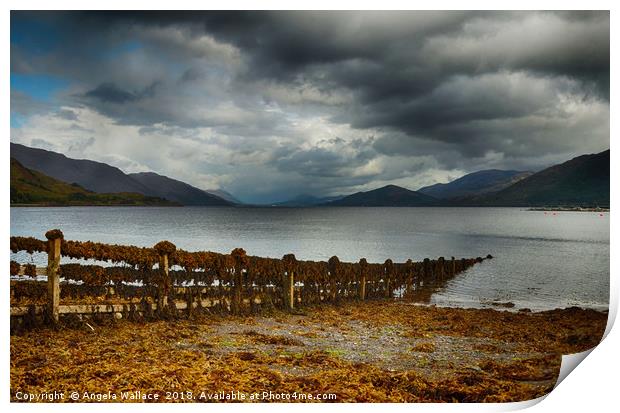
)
(162, 280)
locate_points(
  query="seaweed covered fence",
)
(164, 281)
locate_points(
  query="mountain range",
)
(102, 178)
(220, 193)
(476, 183)
(168, 188)
(30, 187)
(390, 195)
(582, 181)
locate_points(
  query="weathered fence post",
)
(441, 261)
(165, 249)
(163, 265)
(388, 267)
(288, 281)
(363, 268)
(54, 240)
(333, 266)
(289, 290)
(426, 269)
(453, 266)
(408, 276)
(240, 261)
(189, 298)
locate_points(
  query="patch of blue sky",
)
(33, 35)
(17, 120)
(38, 86)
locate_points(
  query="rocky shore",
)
(375, 351)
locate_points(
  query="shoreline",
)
(250, 206)
(362, 352)
(89, 205)
(568, 209)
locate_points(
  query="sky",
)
(272, 105)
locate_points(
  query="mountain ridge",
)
(178, 191)
(475, 183)
(29, 187)
(92, 175)
(100, 177)
(580, 181)
(386, 196)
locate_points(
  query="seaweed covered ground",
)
(363, 352)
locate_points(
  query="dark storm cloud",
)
(109, 92)
(467, 89)
(383, 56)
(406, 52)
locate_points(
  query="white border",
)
(592, 386)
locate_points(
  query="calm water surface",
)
(542, 261)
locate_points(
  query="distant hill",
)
(476, 183)
(178, 191)
(387, 196)
(94, 176)
(582, 181)
(224, 195)
(305, 200)
(30, 187)
(103, 178)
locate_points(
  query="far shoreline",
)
(568, 209)
(87, 205)
(250, 206)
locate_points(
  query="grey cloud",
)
(110, 93)
(447, 90)
(42, 143)
(25, 105)
(81, 146)
(315, 162)
(67, 114)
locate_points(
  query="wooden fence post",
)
(441, 261)
(288, 281)
(333, 265)
(237, 292)
(363, 268)
(163, 287)
(165, 249)
(189, 298)
(388, 271)
(426, 269)
(240, 260)
(363, 287)
(54, 240)
(408, 276)
(289, 290)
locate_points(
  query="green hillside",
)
(582, 181)
(30, 187)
